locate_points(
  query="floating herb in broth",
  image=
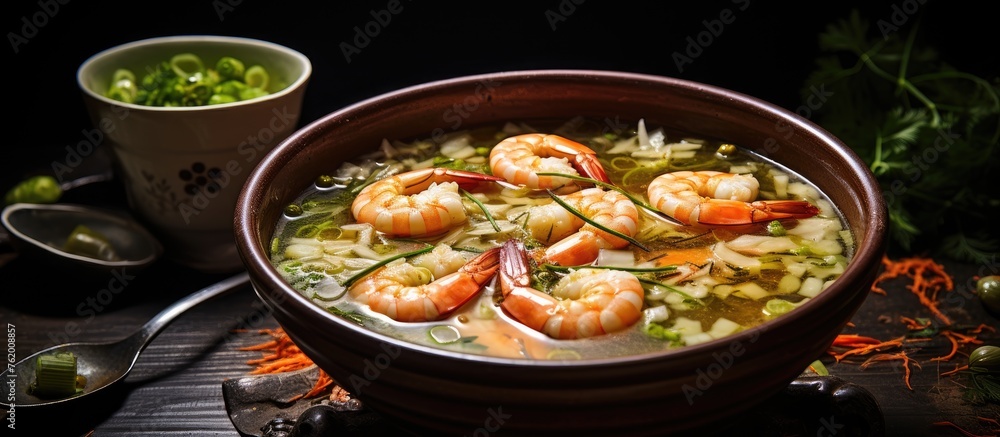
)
(698, 283)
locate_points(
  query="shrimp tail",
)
(780, 209)
(588, 165)
(730, 212)
(577, 249)
(524, 303)
(420, 180)
(454, 290)
(483, 267)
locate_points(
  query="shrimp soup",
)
(560, 241)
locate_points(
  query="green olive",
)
(988, 290)
(985, 359)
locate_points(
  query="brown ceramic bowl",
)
(443, 392)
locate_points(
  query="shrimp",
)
(585, 303)
(575, 241)
(520, 158)
(402, 292)
(713, 198)
(416, 203)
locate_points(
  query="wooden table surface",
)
(175, 387)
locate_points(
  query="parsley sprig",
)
(928, 132)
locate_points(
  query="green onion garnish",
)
(376, 266)
(595, 224)
(482, 207)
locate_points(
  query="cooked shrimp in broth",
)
(571, 240)
(720, 199)
(584, 303)
(559, 240)
(519, 160)
(415, 203)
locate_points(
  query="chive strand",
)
(672, 289)
(595, 224)
(350, 281)
(482, 207)
(637, 201)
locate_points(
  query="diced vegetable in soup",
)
(560, 241)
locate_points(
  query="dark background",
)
(766, 52)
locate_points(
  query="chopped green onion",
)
(444, 334)
(775, 228)
(563, 354)
(55, 375)
(777, 307)
(186, 65)
(86, 242)
(257, 77)
(230, 68)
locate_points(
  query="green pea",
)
(988, 290)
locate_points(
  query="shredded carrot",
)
(928, 279)
(914, 324)
(979, 329)
(956, 370)
(285, 356)
(892, 357)
(868, 348)
(854, 340)
(988, 420)
(961, 430)
(956, 339)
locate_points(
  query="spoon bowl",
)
(105, 363)
(40, 230)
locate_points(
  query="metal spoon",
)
(106, 363)
(40, 230)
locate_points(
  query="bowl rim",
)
(258, 262)
(292, 87)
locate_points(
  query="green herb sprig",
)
(927, 131)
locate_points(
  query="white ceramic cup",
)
(183, 167)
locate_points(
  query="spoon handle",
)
(161, 320)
